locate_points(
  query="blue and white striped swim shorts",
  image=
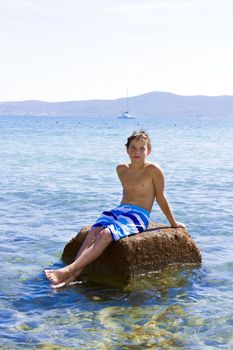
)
(125, 220)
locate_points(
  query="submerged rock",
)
(137, 255)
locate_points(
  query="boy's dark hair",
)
(137, 135)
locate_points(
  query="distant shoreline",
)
(161, 104)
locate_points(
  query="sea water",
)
(57, 175)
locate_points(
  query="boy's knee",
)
(92, 234)
(99, 233)
(94, 231)
(106, 235)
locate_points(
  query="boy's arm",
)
(161, 199)
(119, 169)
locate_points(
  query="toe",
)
(48, 272)
(63, 283)
(59, 285)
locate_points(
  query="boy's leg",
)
(90, 239)
(68, 274)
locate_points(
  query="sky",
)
(63, 50)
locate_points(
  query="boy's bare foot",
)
(60, 278)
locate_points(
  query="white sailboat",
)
(126, 115)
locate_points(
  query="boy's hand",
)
(178, 224)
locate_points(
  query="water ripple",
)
(58, 176)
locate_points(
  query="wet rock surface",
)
(141, 254)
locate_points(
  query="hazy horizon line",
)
(114, 99)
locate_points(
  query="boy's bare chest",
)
(136, 180)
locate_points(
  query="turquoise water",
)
(57, 175)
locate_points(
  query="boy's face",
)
(138, 150)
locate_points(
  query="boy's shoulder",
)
(122, 167)
(150, 166)
(154, 166)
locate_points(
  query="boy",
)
(142, 182)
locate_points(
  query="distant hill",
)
(151, 104)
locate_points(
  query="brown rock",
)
(137, 255)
